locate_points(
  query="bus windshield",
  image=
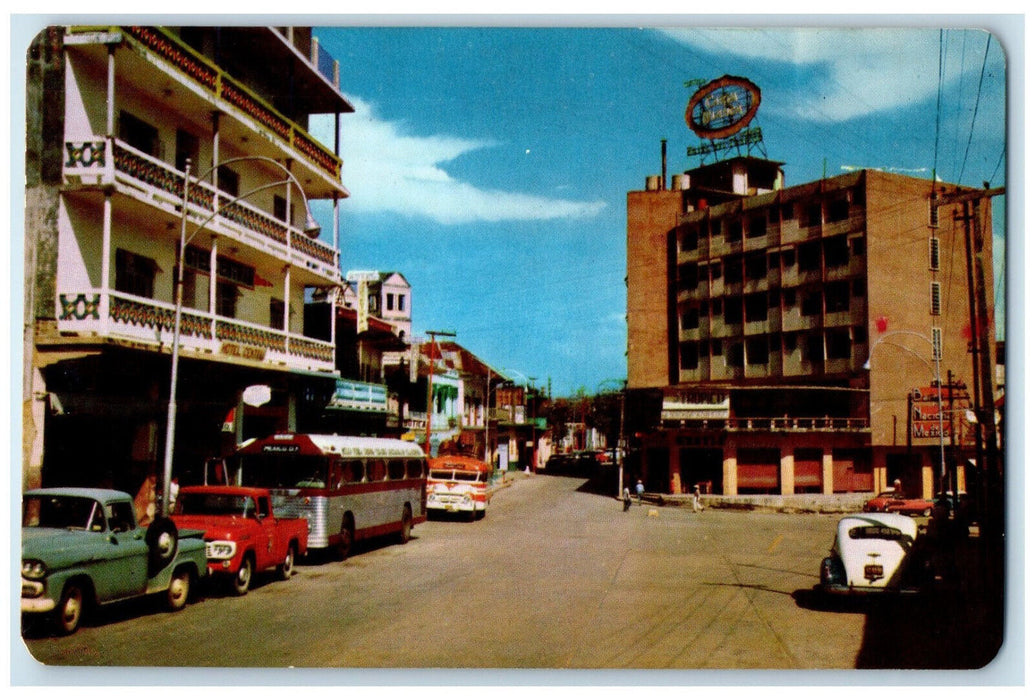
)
(281, 471)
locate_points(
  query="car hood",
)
(215, 527)
(57, 547)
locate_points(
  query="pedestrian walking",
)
(639, 491)
(697, 499)
(626, 499)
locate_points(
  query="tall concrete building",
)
(116, 118)
(789, 340)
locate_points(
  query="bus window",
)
(376, 469)
(396, 469)
(354, 472)
(414, 468)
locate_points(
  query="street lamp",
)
(312, 229)
(937, 369)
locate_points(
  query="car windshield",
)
(214, 504)
(69, 512)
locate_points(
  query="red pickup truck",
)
(242, 535)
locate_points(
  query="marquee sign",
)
(723, 107)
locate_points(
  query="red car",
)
(879, 503)
(910, 506)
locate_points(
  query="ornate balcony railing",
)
(99, 161)
(148, 322)
(221, 86)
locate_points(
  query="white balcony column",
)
(213, 262)
(287, 306)
(110, 107)
(215, 155)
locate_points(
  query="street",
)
(553, 577)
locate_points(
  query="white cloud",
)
(848, 73)
(389, 170)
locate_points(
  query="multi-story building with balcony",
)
(789, 340)
(138, 138)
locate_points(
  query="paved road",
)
(552, 578)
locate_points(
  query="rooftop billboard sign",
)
(723, 107)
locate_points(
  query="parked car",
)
(910, 506)
(242, 533)
(879, 503)
(872, 553)
(83, 547)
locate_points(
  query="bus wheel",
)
(407, 525)
(347, 538)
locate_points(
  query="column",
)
(786, 470)
(828, 472)
(729, 470)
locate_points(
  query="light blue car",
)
(82, 547)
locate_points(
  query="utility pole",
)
(986, 443)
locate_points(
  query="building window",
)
(813, 215)
(228, 181)
(716, 226)
(734, 231)
(837, 297)
(139, 134)
(936, 343)
(280, 209)
(402, 303)
(688, 240)
(716, 348)
(790, 297)
(814, 348)
(756, 226)
(858, 245)
(733, 270)
(186, 147)
(134, 274)
(837, 209)
(690, 320)
(389, 302)
(809, 256)
(756, 307)
(734, 312)
(812, 303)
(935, 253)
(934, 212)
(687, 276)
(936, 298)
(735, 355)
(758, 350)
(755, 266)
(835, 251)
(277, 314)
(839, 344)
(226, 299)
(688, 356)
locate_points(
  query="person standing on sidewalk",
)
(697, 499)
(626, 499)
(639, 491)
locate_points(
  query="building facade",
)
(141, 139)
(791, 340)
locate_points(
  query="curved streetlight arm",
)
(937, 369)
(311, 227)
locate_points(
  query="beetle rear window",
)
(874, 532)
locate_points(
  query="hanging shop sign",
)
(723, 107)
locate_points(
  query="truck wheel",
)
(407, 525)
(161, 540)
(347, 538)
(243, 578)
(179, 590)
(287, 566)
(69, 612)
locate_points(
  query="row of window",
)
(832, 344)
(135, 274)
(734, 229)
(833, 297)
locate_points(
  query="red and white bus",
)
(348, 488)
(458, 484)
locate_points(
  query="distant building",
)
(388, 295)
(114, 114)
(752, 311)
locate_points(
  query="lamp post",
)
(937, 369)
(312, 229)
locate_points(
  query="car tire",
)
(407, 525)
(69, 613)
(242, 580)
(347, 538)
(287, 567)
(178, 592)
(162, 539)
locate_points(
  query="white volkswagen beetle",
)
(872, 553)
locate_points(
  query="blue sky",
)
(490, 165)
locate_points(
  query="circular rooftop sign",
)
(723, 107)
